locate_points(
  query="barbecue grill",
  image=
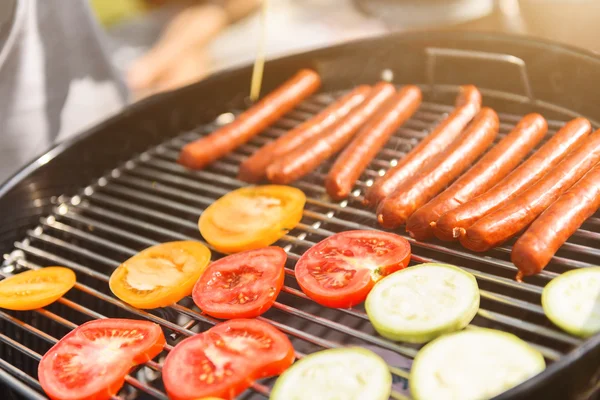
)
(90, 203)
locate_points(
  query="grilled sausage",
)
(307, 157)
(251, 122)
(369, 140)
(488, 171)
(395, 209)
(536, 247)
(468, 104)
(454, 223)
(504, 223)
(253, 169)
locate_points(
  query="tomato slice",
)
(35, 289)
(242, 285)
(269, 350)
(225, 360)
(91, 361)
(251, 217)
(160, 275)
(341, 270)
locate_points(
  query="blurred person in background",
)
(56, 76)
(61, 73)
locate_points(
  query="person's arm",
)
(238, 9)
(179, 56)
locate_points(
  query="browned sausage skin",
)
(454, 223)
(251, 122)
(536, 247)
(307, 157)
(254, 168)
(395, 209)
(369, 140)
(493, 166)
(504, 223)
(468, 104)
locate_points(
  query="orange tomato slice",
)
(35, 289)
(160, 275)
(251, 217)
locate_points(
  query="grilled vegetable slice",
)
(347, 373)
(35, 289)
(91, 361)
(472, 364)
(422, 302)
(225, 360)
(242, 285)
(251, 217)
(160, 275)
(341, 270)
(572, 301)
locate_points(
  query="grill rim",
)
(45, 161)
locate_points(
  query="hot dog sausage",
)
(534, 250)
(454, 223)
(307, 157)
(395, 209)
(468, 104)
(488, 171)
(253, 169)
(204, 151)
(369, 140)
(504, 223)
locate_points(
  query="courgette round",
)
(420, 303)
(473, 364)
(351, 373)
(572, 301)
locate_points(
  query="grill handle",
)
(433, 53)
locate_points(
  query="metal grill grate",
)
(151, 199)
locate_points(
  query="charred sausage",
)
(253, 169)
(454, 223)
(395, 209)
(488, 171)
(307, 157)
(369, 140)
(468, 104)
(504, 223)
(204, 151)
(536, 247)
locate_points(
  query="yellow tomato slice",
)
(35, 289)
(251, 217)
(160, 275)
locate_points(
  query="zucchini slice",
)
(572, 301)
(351, 373)
(422, 302)
(473, 364)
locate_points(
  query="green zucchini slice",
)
(572, 301)
(420, 303)
(351, 373)
(474, 364)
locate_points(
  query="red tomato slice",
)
(242, 285)
(341, 270)
(261, 343)
(91, 361)
(202, 366)
(225, 360)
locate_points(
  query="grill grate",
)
(151, 199)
